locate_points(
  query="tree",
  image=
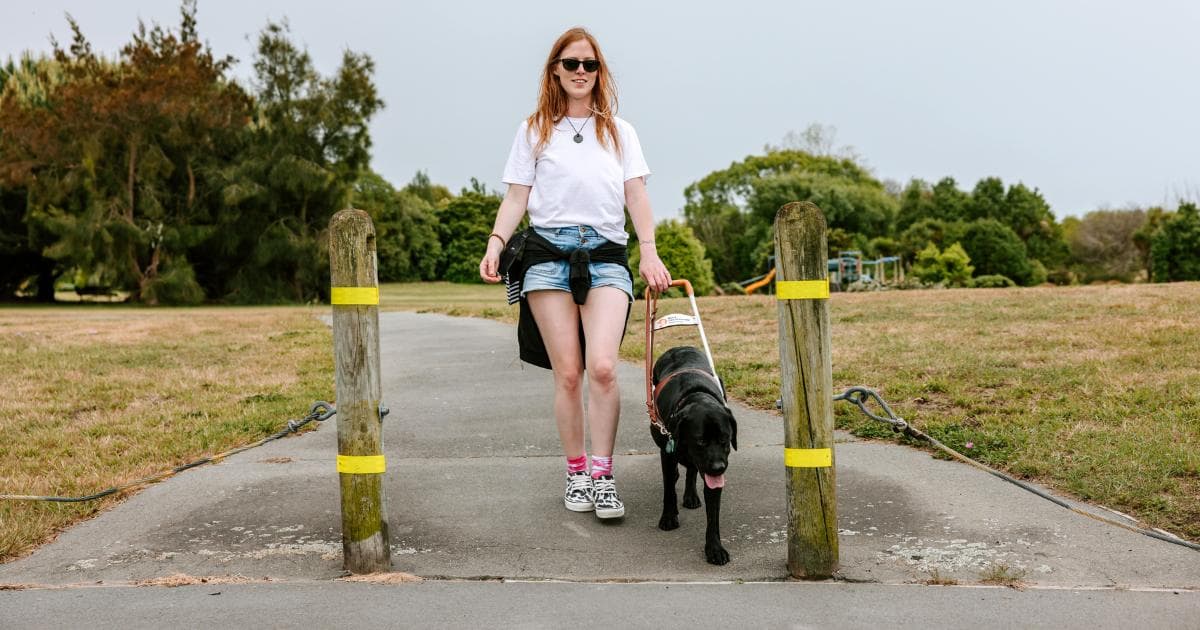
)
(943, 202)
(25, 84)
(916, 203)
(683, 255)
(732, 211)
(1175, 249)
(464, 224)
(949, 203)
(883, 246)
(1028, 214)
(112, 154)
(996, 250)
(406, 229)
(156, 173)
(1103, 247)
(816, 139)
(1143, 238)
(308, 144)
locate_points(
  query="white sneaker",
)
(604, 496)
(578, 496)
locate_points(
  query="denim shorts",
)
(555, 275)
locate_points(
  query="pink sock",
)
(601, 466)
(577, 464)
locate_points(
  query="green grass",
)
(97, 396)
(1094, 391)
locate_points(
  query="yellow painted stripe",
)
(808, 457)
(802, 289)
(354, 295)
(360, 464)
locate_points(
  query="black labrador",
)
(690, 403)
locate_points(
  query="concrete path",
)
(474, 488)
(443, 604)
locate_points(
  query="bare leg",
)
(557, 317)
(603, 324)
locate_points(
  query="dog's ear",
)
(733, 427)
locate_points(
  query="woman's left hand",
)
(654, 271)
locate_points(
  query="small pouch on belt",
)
(510, 262)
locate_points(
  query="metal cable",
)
(859, 396)
(320, 411)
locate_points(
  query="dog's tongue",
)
(714, 481)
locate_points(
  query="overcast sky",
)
(1094, 103)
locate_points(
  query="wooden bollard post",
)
(806, 371)
(354, 294)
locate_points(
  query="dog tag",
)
(670, 446)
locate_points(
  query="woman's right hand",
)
(507, 218)
(489, 267)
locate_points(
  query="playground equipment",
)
(848, 268)
(882, 266)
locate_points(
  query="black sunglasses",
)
(571, 65)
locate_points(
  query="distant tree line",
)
(991, 235)
(157, 174)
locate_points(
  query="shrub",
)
(1175, 248)
(682, 253)
(882, 246)
(175, 285)
(925, 231)
(1062, 277)
(992, 281)
(957, 265)
(950, 268)
(1037, 273)
(996, 249)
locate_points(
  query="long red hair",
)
(552, 98)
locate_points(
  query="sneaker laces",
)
(606, 490)
(578, 483)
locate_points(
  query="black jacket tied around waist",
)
(538, 250)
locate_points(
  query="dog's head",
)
(707, 429)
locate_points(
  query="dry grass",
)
(96, 396)
(182, 579)
(936, 578)
(394, 577)
(1092, 390)
(1004, 575)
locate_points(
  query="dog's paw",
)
(668, 522)
(716, 554)
(691, 502)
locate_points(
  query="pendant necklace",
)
(578, 135)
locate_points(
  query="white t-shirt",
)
(577, 183)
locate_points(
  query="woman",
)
(574, 166)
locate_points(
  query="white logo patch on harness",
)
(675, 319)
